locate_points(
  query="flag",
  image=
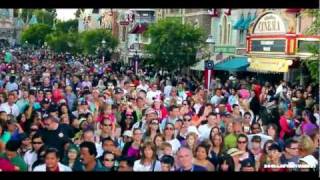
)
(208, 72)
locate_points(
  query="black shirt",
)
(57, 138)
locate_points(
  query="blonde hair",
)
(306, 144)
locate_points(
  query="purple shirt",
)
(133, 152)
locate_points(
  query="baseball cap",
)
(83, 102)
(45, 101)
(275, 146)
(256, 139)
(118, 90)
(127, 133)
(150, 111)
(310, 161)
(167, 159)
(234, 152)
(23, 136)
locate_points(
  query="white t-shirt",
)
(175, 145)
(14, 110)
(62, 168)
(30, 157)
(204, 131)
(138, 166)
(153, 94)
(167, 90)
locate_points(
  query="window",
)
(241, 37)
(124, 32)
(225, 30)
(299, 24)
(229, 34)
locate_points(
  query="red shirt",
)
(56, 170)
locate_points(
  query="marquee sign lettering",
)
(269, 23)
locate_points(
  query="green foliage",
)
(64, 42)
(173, 45)
(35, 34)
(312, 62)
(91, 40)
(66, 26)
(44, 16)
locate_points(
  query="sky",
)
(66, 14)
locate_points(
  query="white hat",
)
(127, 133)
(310, 161)
(234, 152)
(193, 129)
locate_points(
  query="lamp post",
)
(136, 62)
(209, 64)
(103, 42)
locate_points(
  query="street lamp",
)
(210, 41)
(136, 62)
(103, 42)
(209, 65)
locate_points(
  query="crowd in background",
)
(64, 113)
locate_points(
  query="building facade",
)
(277, 42)
(10, 28)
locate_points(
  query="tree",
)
(35, 34)
(79, 12)
(173, 45)
(91, 41)
(45, 16)
(312, 63)
(64, 42)
(66, 26)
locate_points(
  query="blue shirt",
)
(195, 168)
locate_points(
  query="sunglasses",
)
(107, 125)
(187, 119)
(242, 142)
(169, 128)
(109, 160)
(37, 142)
(34, 130)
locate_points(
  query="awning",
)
(246, 23)
(233, 64)
(239, 22)
(139, 28)
(269, 65)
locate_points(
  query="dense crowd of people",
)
(61, 113)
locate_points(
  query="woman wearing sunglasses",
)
(108, 160)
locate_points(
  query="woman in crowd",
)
(201, 156)
(148, 161)
(217, 148)
(72, 158)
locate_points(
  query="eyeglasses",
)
(187, 119)
(107, 125)
(109, 160)
(37, 142)
(242, 142)
(185, 104)
(294, 148)
(168, 128)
